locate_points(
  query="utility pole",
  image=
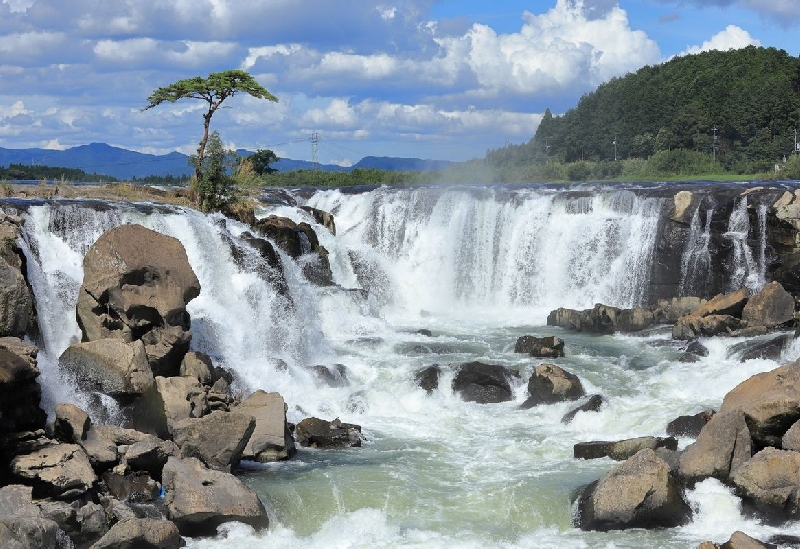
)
(314, 155)
(615, 148)
(714, 144)
(796, 147)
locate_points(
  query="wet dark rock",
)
(593, 404)
(320, 433)
(770, 349)
(696, 348)
(689, 426)
(622, 449)
(483, 383)
(322, 217)
(335, 376)
(540, 347)
(601, 319)
(424, 332)
(428, 378)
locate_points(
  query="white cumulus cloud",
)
(732, 38)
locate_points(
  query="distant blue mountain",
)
(104, 159)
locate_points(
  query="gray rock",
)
(150, 454)
(639, 493)
(689, 426)
(71, 423)
(62, 471)
(482, 383)
(770, 401)
(319, 433)
(550, 383)
(199, 366)
(770, 481)
(722, 446)
(218, 439)
(593, 404)
(770, 307)
(142, 533)
(109, 366)
(271, 439)
(791, 438)
(136, 285)
(541, 347)
(199, 499)
(428, 378)
(179, 398)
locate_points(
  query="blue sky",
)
(442, 79)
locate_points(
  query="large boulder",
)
(689, 426)
(791, 438)
(722, 445)
(144, 533)
(482, 383)
(738, 540)
(319, 433)
(22, 525)
(136, 285)
(108, 366)
(271, 439)
(770, 481)
(639, 493)
(770, 402)
(635, 320)
(730, 304)
(592, 404)
(217, 439)
(550, 383)
(17, 313)
(198, 499)
(61, 471)
(770, 307)
(20, 393)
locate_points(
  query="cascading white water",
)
(484, 263)
(749, 271)
(483, 250)
(696, 260)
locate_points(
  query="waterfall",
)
(748, 271)
(696, 260)
(239, 319)
(466, 250)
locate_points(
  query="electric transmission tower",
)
(314, 155)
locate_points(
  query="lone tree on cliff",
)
(215, 89)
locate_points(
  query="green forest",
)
(735, 111)
(23, 172)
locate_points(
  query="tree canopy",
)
(214, 90)
(739, 106)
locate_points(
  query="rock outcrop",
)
(136, 285)
(622, 449)
(721, 447)
(770, 481)
(17, 313)
(108, 366)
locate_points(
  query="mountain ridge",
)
(105, 159)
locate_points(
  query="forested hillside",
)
(751, 96)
